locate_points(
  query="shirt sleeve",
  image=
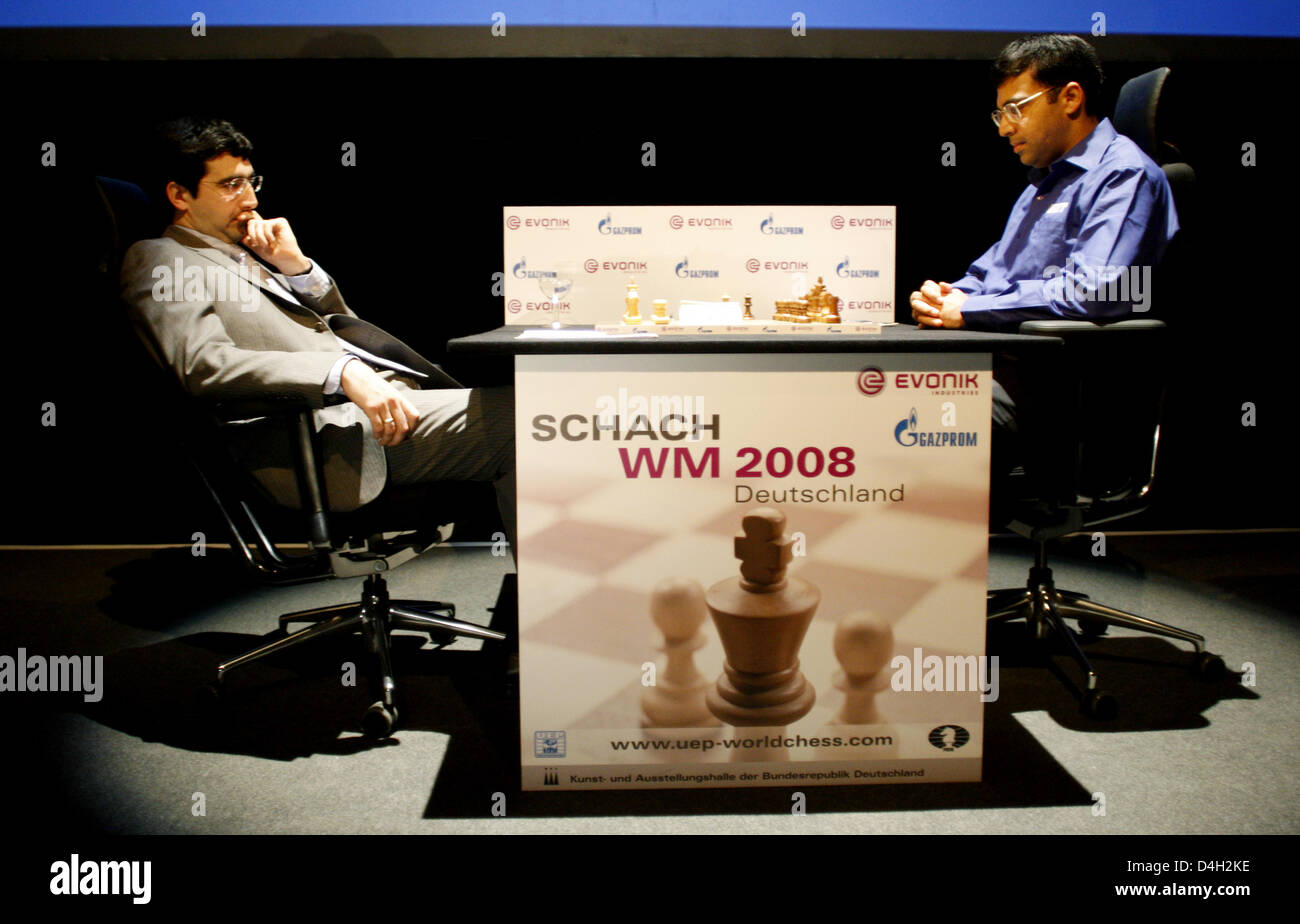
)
(315, 282)
(334, 381)
(973, 282)
(1107, 272)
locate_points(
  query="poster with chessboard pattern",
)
(572, 264)
(636, 476)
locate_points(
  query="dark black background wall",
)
(412, 233)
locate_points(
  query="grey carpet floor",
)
(1184, 757)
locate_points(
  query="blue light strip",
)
(1263, 18)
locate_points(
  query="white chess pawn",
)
(863, 646)
(677, 698)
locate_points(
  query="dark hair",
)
(1055, 61)
(183, 148)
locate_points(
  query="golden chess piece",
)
(633, 301)
(816, 307)
(749, 305)
(661, 311)
(825, 306)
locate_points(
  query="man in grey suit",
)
(235, 308)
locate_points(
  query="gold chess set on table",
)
(816, 312)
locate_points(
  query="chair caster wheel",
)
(378, 721)
(1209, 667)
(1092, 627)
(207, 700)
(1098, 704)
(441, 639)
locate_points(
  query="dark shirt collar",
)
(1084, 156)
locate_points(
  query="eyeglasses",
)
(1010, 110)
(234, 186)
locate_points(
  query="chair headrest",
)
(1135, 110)
(128, 217)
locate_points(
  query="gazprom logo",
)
(905, 432)
(684, 271)
(606, 226)
(842, 269)
(769, 226)
(908, 434)
(521, 270)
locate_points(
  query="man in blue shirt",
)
(1096, 216)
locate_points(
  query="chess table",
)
(903, 544)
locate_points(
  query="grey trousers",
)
(462, 435)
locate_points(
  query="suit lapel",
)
(205, 249)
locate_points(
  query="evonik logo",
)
(872, 381)
(515, 306)
(514, 223)
(677, 222)
(592, 265)
(839, 223)
(755, 265)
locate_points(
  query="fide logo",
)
(949, 737)
(548, 744)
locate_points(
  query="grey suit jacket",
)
(228, 333)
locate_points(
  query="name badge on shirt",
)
(1056, 208)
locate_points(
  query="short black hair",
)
(184, 146)
(1055, 60)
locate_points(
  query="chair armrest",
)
(274, 405)
(1068, 328)
(310, 485)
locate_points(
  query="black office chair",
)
(1093, 422)
(339, 544)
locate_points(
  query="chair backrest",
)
(1142, 112)
(1136, 110)
(126, 216)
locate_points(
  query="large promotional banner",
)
(572, 264)
(752, 570)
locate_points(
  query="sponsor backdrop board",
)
(634, 475)
(572, 264)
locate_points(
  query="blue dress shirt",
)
(1080, 242)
